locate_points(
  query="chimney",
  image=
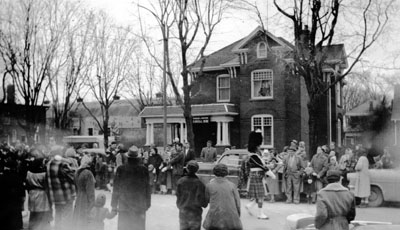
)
(305, 37)
(371, 106)
(10, 94)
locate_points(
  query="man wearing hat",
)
(208, 153)
(190, 198)
(319, 164)
(292, 170)
(131, 195)
(336, 205)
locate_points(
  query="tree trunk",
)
(318, 122)
(105, 127)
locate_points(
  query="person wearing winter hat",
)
(258, 169)
(190, 198)
(336, 205)
(131, 178)
(99, 213)
(223, 196)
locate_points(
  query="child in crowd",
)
(99, 213)
(152, 178)
(309, 183)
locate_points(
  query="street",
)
(163, 214)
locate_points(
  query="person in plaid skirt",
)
(256, 189)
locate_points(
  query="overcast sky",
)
(239, 24)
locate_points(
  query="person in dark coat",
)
(177, 161)
(85, 198)
(336, 205)
(131, 196)
(191, 198)
(189, 153)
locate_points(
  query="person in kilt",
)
(256, 189)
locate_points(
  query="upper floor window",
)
(262, 50)
(265, 124)
(223, 88)
(262, 84)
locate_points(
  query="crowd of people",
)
(61, 182)
(298, 174)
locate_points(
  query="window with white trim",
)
(264, 124)
(262, 84)
(261, 50)
(223, 88)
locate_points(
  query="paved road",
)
(163, 214)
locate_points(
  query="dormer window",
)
(262, 50)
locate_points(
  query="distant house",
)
(14, 123)
(123, 122)
(396, 116)
(245, 86)
(355, 120)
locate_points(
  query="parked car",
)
(385, 185)
(305, 221)
(78, 141)
(233, 159)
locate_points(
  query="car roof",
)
(237, 151)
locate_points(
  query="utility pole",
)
(165, 43)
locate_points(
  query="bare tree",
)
(192, 21)
(28, 44)
(112, 49)
(310, 55)
(71, 65)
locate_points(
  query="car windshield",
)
(230, 160)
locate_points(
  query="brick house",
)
(245, 86)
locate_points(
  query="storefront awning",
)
(197, 110)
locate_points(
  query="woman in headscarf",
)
(85, 182)
(223, 196)
(256, 188)
(362, 183)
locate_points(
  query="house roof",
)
(228, 56)
(219, 57)
(118, 108)
(335, 54)
(396, 103)
(197, 110)
(363, 109)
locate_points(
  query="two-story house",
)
(245, 86)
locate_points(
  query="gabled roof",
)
(396, 104)
(219, 57)
(197, 110)
(365, 109)
(254, 33)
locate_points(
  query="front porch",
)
(210, 122)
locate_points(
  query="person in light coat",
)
(362, 182)
(224, 212)
(336, 205)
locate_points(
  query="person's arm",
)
(359, 164)
(116, 190)
(322, 213)
(324, 169)
(148, 189)
(202, 154)
(351, 215)
(207, 195)
(90, 188)
(237, 199)
(177, 158)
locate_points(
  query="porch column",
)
(147, 134)
(182, 133)
(185, 132)
(151, 133)
(222, 129)
(225, 133)
(219, 133)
